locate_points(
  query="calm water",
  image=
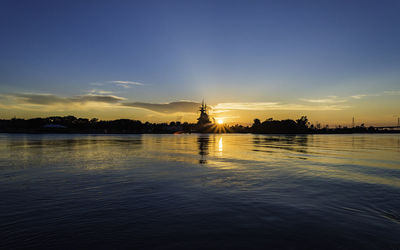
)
(200, 191)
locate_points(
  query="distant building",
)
(204, 119)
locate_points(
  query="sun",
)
(219, 126)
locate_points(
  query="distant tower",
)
(352, 123)
(203, 118)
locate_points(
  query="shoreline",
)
(195, 132)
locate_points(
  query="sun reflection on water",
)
(361, 158)
(220, 145)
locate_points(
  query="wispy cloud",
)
(392, 92)
(97, 98)
(172, 107)
(329, 99)
(245, 106)
(219, 111)
(49, 99)
(100, 92)
(227, 117)
(358, 96)
(192, 107)
(274, 106)
(127, 84)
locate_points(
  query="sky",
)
(156, 60)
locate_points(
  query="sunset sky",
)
(156, 60)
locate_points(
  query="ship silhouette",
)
(203, 122)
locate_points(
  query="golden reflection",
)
(334, 157)
(203, 142)
(360, 158)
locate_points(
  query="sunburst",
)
(219, 127)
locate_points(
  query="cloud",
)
(97, 98)
(40, 99)
(358, 96)
(228, 117)
(392, 92)
(48, 99)
(127, 84)
(99, 92)
(329, 99)
(192, 107)
(245, 106)
(172, 107)
(259, 106)
(219, 111)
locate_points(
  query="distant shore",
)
(73, 125)
(55, 131)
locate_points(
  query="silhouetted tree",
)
(71, 124)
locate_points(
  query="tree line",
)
(72, 124)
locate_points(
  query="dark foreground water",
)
(200, 191)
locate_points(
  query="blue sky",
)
(285, 52)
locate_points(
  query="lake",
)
(225, 191)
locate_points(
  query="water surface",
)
(200, 191)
